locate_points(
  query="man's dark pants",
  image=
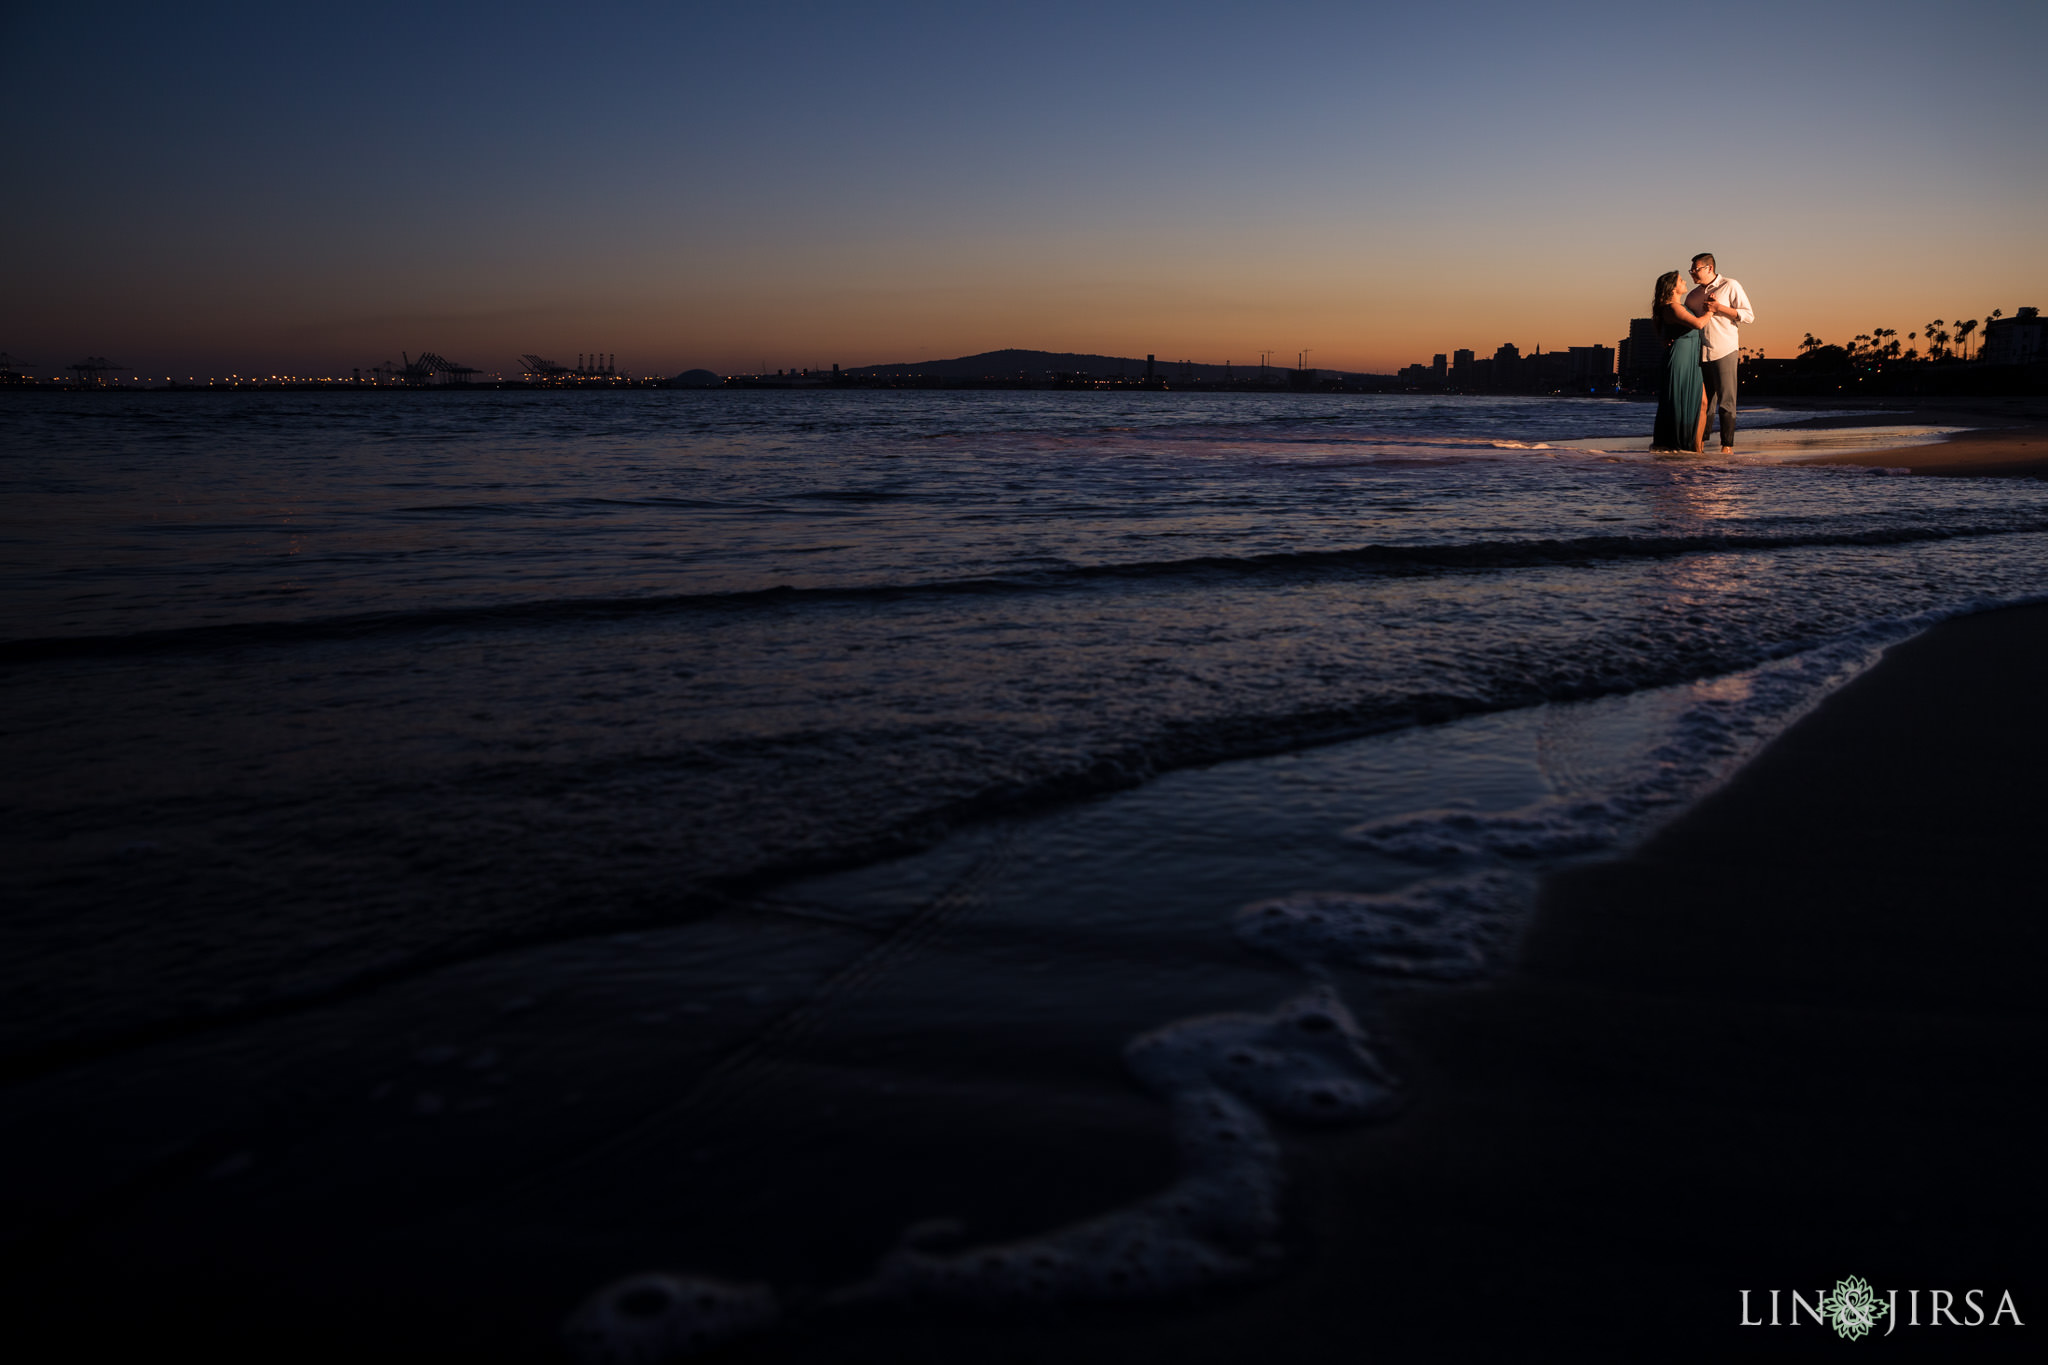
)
(1720, 378)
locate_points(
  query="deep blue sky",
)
(259, 189)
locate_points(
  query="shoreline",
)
(2004, 438)
(2018, 452)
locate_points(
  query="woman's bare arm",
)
(1679, 313)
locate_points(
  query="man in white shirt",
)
(1725, 306)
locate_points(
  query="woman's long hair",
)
(1666, 282)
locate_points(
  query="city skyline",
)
(2000, 339)
(206, 194)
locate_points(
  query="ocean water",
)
(308, 692)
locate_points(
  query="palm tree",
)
(1963, 330)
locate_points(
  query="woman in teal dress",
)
(1682, 395)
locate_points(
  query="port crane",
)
(425, 370)
(593, 366)
(93, 369)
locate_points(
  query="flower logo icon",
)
(1853, 1308)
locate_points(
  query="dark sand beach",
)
(2008, 452)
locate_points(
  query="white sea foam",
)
(657, 1317)
(1308, 1060)
(1718, 723)
(1450, 927)
(1440, 930)
(1444, 836)
(1212, 1225)
(1222, 1076)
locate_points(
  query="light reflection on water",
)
(150, 512)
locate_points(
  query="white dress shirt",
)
(1720, 336)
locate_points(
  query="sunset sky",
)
(787, 185)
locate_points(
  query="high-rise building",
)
(1542, 373)
(1641, 353)
(1507, 366)
(1591, 368)
(1437, 364)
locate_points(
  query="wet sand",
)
(2013, 452)
(2004, 438)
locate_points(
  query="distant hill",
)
(1040, 364)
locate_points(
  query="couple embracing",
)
(1703, 349)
